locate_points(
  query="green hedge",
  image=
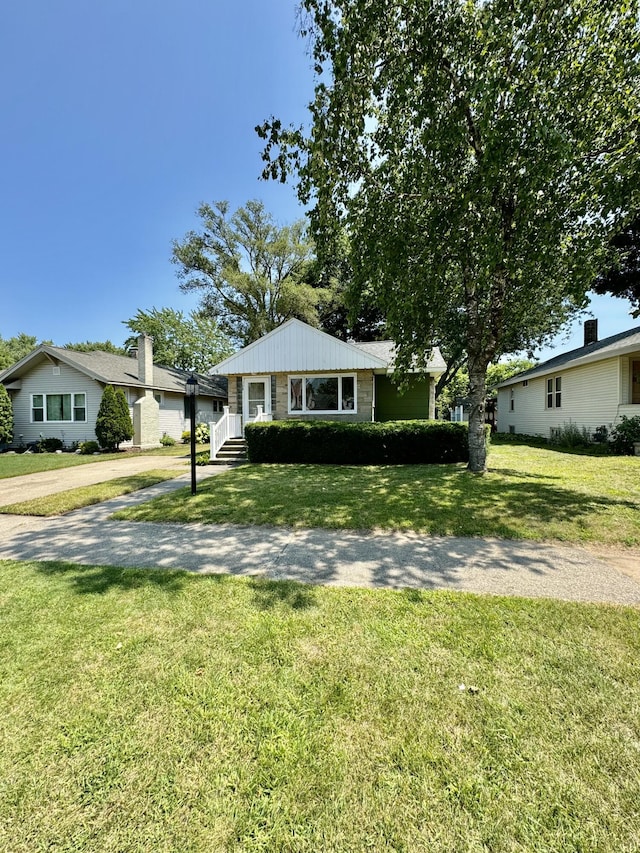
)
(332, 442)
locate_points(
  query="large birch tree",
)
(478, 154)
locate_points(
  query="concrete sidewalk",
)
(337, 558)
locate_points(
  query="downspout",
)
(373, 397)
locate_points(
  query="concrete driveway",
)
(29, 486)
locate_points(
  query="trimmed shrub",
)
(49, 445)
(186, 436)
(6, 416)
(113, 423)
(87, 448)
(625, 434)
(167, 440)
(335, 443)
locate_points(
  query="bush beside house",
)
(331, 442)
(113, 423)
(6, 417)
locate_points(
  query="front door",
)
(256, 391)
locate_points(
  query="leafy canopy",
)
(14, 349)
(195, 342)
(477, 153)
(249, 271)
(621, 275)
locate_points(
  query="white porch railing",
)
(260, 416)
(229, 426)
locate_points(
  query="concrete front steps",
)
(232, 452)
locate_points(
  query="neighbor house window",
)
(512, 401)
(52, 408)
(554, 392)
(322, 394)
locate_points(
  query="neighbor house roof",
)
(114, 370)
(296, 347)
(620, 344)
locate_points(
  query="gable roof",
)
(620, 344)
(112, 369)
(296, 347)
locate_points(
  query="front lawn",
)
(529, 493)
(164, 711)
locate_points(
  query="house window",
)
(322, 394)
(157, 396)
(525, 382)
(55, 408)
(512, 402)
(217, 405)
(635, 382)
(554, 392)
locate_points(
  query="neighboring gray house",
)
(56, 393)
(592, 386)
(297, 371)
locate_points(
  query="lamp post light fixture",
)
(191, 390)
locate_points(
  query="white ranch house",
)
(299, 372)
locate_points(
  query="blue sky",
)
(118, 118)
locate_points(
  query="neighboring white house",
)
(56, 393)
(592, 386)
(297, 371)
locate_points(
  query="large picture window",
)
(54, 408)
(322, 394)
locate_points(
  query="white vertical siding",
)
(590, 398)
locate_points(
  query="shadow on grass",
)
(269, 594)
(97, 580)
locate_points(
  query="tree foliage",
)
(15, 348)
(6, 416)
(458, 386)
(250, 272)
(113, 422)
(195, 342)
(92, 346)
(621, 276)
(477, 153)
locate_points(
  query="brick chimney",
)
(145, 359)
(590, 332)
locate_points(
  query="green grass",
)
(61, 502)
(160, 711)
(529, 493)
(16, 464)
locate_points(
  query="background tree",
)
(621, 277)
(478, 154)
(113, 422)
(6, 416)
(92, 346)
(249, 271)
(14, 349)
(458, 386)
(195, 342)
